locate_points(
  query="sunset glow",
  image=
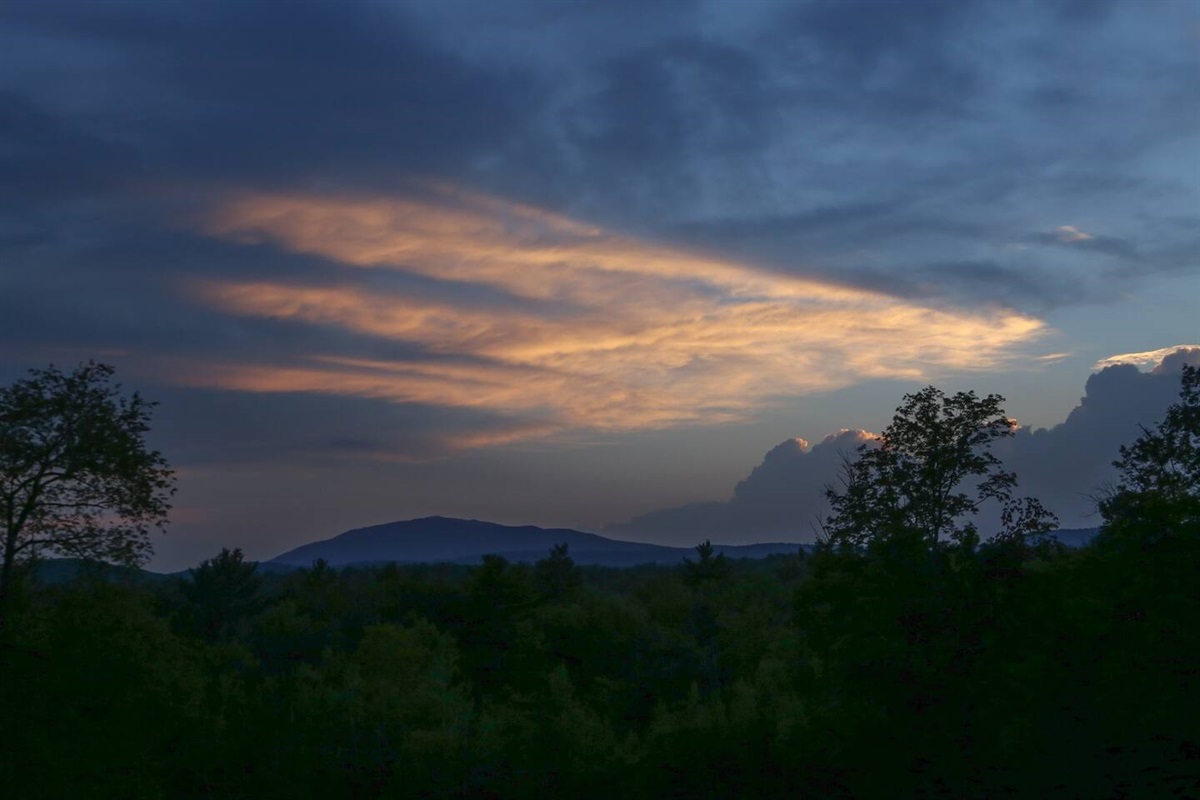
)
(604, 331)
(575, 264)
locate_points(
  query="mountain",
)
(466, 541)
(461, 541)
(61, 571)
(1075, 537)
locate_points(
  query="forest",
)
(903, 658)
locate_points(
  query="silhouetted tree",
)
(223, 590)
(706, 576)
(1158, 496)
(76, 477)
(929, 474)
(321, 592)
(498, 598)
(1140, 580)
(556, 576)
(710, 567)
(109, 698)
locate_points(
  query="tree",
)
(76, 476)
(223, 590)
(556, 576)
(1158, 496)
(930, 472)
(707, 576)
(1140, 581)
(710, 567)
(493, 615)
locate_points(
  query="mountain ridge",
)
(447, 539)
(586, 549)
(461, 541)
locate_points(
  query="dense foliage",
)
(1014, 668)
(76, 476)
(931, 472)
(1158, 497)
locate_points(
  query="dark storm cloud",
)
(114, 118)
(278, 91)
(209, 428)
(887, 59)
(112, 294)
(674, 114)
(813, 236)
(672, 100)
(1067, 466)
(887, 218)
(934, 133)
(964, 280)
(43, 156)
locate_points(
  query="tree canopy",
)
(222, 590)
(1158, 494)
(971, 673)
(928, 475)
(710, 566)
(76, 476)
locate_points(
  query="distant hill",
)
(459, 541)
(1075, 537)
(58, 571)
(466, 541)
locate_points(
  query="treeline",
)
(895, 665)
(1045, 673)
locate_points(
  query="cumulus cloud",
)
(582, 327)
(783, 499)
(1065, 466)
(1161, 359)
(1070, 464)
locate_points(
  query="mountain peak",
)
(437, 538)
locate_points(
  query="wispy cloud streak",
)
(599, 330)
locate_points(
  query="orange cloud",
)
(466, 237)
(605, 331)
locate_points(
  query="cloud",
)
(1069, 464)
(539, 316)
(1066, 466)
(882, 149)
(783, 499)
(1069, 234)
(212, 429)
(702, 97)
(735, 201)
(253, 89)
(1147, 358)
(1072, 237)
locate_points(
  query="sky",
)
(643, 269)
